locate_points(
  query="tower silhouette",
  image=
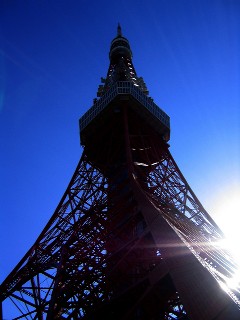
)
(129, 238)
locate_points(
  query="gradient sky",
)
(52, 56)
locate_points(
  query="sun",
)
(226, 213)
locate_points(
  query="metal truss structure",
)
(129, 238)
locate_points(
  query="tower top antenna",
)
(119, 30)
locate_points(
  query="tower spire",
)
(119, 30)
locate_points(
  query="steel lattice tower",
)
(129, 238)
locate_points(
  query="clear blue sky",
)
(52, 55)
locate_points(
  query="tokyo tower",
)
(129, 238)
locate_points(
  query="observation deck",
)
(142, 104)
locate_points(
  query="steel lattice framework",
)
(129, 238)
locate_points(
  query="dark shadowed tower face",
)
(119, 136)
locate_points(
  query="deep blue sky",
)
(52, 55)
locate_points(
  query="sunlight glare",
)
(227, 216)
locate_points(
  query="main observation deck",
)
(142, 104)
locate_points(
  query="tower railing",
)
(121, 88)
